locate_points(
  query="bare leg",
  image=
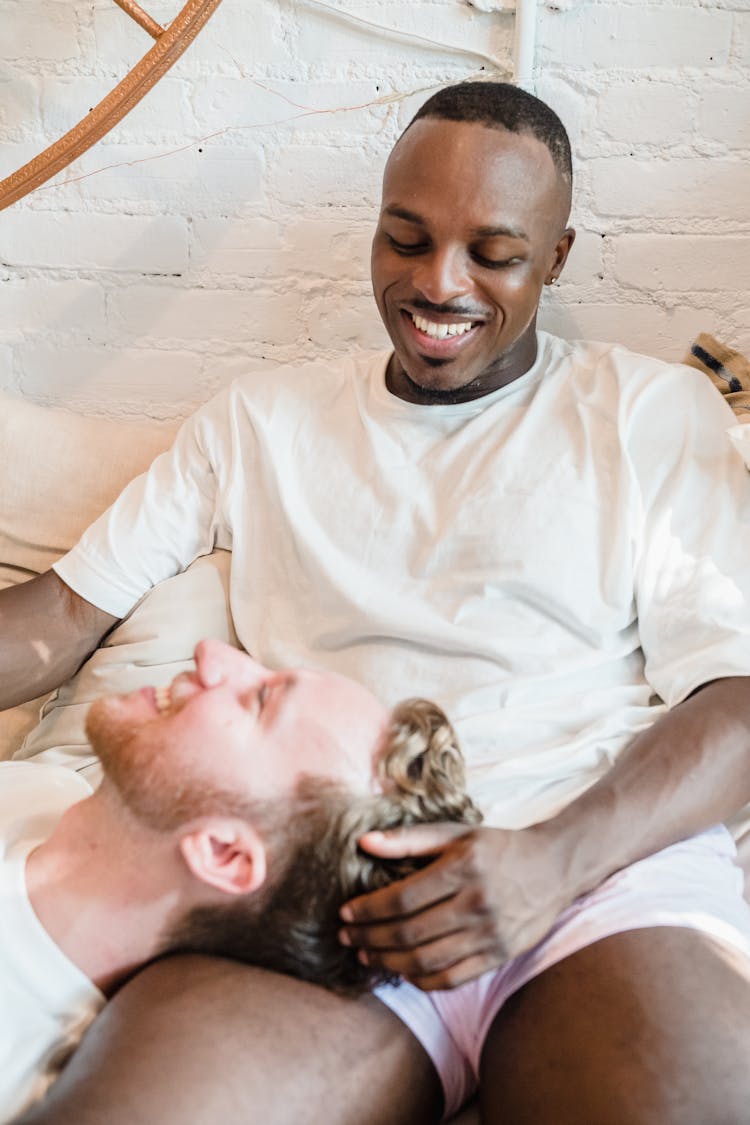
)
(649, 1027)
(201, 1040)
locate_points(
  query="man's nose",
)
(442, 275)
(217, 662)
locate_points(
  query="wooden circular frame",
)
(171, 43)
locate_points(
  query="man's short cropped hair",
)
(500, 105)
(315, 863)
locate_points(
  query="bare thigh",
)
(649, 1027)
(202, 1040)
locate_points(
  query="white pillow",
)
(149, 647)
(59, 472)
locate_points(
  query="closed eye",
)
(406, 248)
(256, 699)
(271, 695)
(492, 264)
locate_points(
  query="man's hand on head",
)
(487, 896)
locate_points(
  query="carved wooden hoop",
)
(170, 44)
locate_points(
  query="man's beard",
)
(147, 782)
(136, 777)
(435, 394)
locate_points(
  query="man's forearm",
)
(46, 632)
(690, 770)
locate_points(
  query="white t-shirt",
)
(46, 1002)
(544, 561)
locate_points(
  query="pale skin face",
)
(235, 725)
(472, 226)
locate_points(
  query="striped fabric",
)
(728, 370)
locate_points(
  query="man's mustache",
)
(446, 310)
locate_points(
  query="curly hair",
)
(316, 864)
(500, 105)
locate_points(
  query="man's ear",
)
(225, 853)
(562, 249)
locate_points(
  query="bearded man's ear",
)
(226, 853)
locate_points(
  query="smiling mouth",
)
(440, 330)
(439, 339)
(163, 698)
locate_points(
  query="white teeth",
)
(163, 698)
(440, 331)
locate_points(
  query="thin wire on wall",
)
(408, 36)
(308, 111)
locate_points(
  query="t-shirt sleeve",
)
(693, 544)
(160, 523)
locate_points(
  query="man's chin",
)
(437, 380)
(436, 394)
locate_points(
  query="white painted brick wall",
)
(210, 318)
(656, 96)
(636, 36)
(31, 307)
(123, 243)
(225, 224)
(682, 263)
(121, 376)
(714, 191)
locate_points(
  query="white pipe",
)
(524, 43)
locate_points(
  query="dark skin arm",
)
(490, 894)
(46, 633)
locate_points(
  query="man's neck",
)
(103, 891)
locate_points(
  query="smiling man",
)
(226, 823)
(458, 274)
(551, 538)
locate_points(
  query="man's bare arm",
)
(690, 770)
(46, 632)
(490, 894)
